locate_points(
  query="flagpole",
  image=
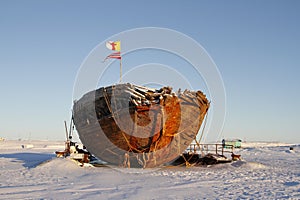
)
(120, 69)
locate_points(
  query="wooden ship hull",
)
(134, 126)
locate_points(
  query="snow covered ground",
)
(29, 170)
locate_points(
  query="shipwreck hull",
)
(128, 124)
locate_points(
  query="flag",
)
(114, 45)
(116, 55)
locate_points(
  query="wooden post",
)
(120, 70)
(70, 130)
(222, 150)
(66, 131)
(67, 143)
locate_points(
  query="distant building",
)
(236, 143)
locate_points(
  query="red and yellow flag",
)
(114, 45)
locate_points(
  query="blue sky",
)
(255, 45)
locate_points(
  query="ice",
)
(266, 171)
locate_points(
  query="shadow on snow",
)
(29, 160)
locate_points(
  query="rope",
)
(205, 121)
(106, 100)
(113, 115)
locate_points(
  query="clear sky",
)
(255, 45)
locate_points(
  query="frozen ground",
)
(29, 170)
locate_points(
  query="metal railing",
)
(210, 148)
